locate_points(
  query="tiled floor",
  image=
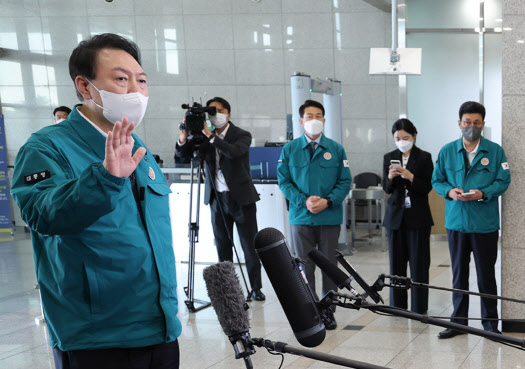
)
(361, 335)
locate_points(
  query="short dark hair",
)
(224, 103)
(62, 108)
(471, 107)
(83, 59)
(405, 125)
(309, 103)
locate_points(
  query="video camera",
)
(196, 118)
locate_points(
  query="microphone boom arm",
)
(406, 282)
(282, 347)
(342, 300)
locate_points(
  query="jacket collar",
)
(90, 135)
(414, 154)
(228, 128)
(411, 159)
(322, 142)
(483, 145)
(482, 149)
(87, 132)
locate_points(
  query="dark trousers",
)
(484, 247)
(163, 356)
(410, 246)
(245, 218)
(325, 238)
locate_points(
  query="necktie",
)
(312, 148)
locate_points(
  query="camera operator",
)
(231, 195)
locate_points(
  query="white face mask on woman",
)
(313, 127)
(404, 145)
(116, 106)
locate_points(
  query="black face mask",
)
(472, 133)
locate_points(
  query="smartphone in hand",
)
(395, 163)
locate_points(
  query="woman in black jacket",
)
(407, 218)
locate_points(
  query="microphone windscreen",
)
(290, 287)
(332, 271)
(227, 297)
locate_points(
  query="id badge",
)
(407, 202)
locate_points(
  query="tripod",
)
(193, 235)
(197, 163)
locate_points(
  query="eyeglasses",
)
(468, 123)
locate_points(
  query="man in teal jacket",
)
(97, 206)
(471, 173)
(314, 176)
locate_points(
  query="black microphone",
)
(371, 291)
(332, 271)
(339, 277)
(227, 299)
(291, 287)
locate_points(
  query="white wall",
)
(242, 50)
(450, 68)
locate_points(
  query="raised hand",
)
(119, 145)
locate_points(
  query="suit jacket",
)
(234, 161)
(418, 215)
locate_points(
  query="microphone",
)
(332, 271)
(339, 277)
(374, 295)
(291, 287)
(227, 299)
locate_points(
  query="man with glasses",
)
(471, 173)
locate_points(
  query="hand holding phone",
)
(392, 171)
(470, 196)
(395, 163)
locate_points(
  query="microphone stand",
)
(405, 283)
(351, 302)
(282, 347)
(358, 301)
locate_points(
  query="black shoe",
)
(257, 295)
(449, 333)
(330, 324)
(495, 330)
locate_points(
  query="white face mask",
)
(313, 127)
(116, 106)
(60, 120)
(404, 146)
(219, 120)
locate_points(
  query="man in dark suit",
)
(229, 188)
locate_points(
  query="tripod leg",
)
(193, 238)
(188, 290)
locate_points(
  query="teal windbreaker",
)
(489, 173)
(326, 175)
(107, 277)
